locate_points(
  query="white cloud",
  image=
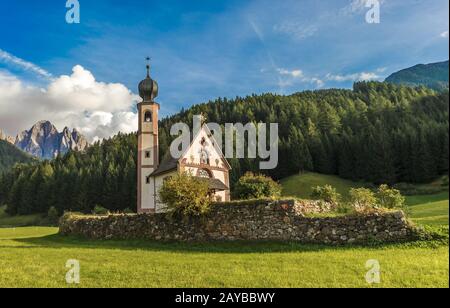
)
(11, 59)
(319, 82)
(293, 73)
(444, 34)
(363, 76)
(296, 75)
(98, 110)
(296, 30)
(288, 78)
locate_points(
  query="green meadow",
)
(301, 186)
(36, 257)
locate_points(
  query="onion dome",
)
(148, 88)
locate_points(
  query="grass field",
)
(18, 221)
(430, 210)
(36, 257)
(301, 186)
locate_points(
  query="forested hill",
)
(105, 174)
(10, 155)
(377, 132)
(434, 75)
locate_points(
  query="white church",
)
(202, 159)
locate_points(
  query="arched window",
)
(148, 117)
(203, 173)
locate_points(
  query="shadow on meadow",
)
(240, 247)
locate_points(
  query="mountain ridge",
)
(43, 140)
(432, 75)
(6, 137)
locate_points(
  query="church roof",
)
(171, 164)
(167, 164)
(217, 184)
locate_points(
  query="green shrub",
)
(345, 208)
(53, 215)
(128, 211)
(444, 183)
(254, 186)
(100, 210)
(185, 194)
(390, 198)
(326, 193)
(363, 199)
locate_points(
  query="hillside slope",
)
(434, 75)
(429, 209)
(301, 186)
(10, 155)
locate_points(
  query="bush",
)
(390, 198)
(253, 186)
(444, 183)
(326, 193)
(53, 215)
(363, 199)
(185, 194)
(100, 210)
(345, 208)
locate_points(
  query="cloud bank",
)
(98, 110)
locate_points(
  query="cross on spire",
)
(148, 59)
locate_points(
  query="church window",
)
(147, 179)
(147, 154)
(148, 117)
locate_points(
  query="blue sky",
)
(203, 49)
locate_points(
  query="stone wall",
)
(279, 221)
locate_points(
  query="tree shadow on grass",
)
(239, 247)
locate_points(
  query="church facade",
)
(202, 159)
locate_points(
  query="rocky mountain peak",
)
(6, 138)
(44, 141)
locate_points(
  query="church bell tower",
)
(148, 147)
